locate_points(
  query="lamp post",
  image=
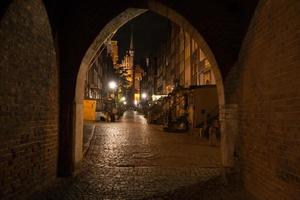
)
(112, 85)
(144, 102)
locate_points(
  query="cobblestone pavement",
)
(133, 160)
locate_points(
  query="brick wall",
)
(269, 111)
(28, 100)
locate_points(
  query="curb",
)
(86, 147)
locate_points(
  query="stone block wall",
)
(28, 100)
(269, 98)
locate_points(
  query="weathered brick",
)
(29, 99)
(269, 101)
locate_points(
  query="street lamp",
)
(144, 102)
(144, 95)
(123, 99)
(112, 85)
(112, 109)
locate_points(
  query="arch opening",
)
(105, 33)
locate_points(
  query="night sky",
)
(149, 32)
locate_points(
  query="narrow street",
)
(130, 159)
(149, 100)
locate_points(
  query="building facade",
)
(180, 61)
(100, 73)
(182, 71)
(138, 76)
(149, 81)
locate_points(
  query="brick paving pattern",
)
(133, 160)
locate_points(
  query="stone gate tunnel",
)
(252, 48)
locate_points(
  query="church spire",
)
(131, 38)
(131, 49)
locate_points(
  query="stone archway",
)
(111, 27)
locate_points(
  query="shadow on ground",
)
(213, 189)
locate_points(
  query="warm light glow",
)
(144, 95)
(135, 102)
(112, 85)
(124, 102)
(123, 99)
(156, 97)
(137, 97)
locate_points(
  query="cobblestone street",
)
(133, 160)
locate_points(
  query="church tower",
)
(131, 58)
(128, 65)
(131, 49)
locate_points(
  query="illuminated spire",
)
(131, 39)
(131, 50)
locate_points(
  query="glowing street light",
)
(124, 102)
(123, 99)
(144, 95)
(135, 102)
(112, 85)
